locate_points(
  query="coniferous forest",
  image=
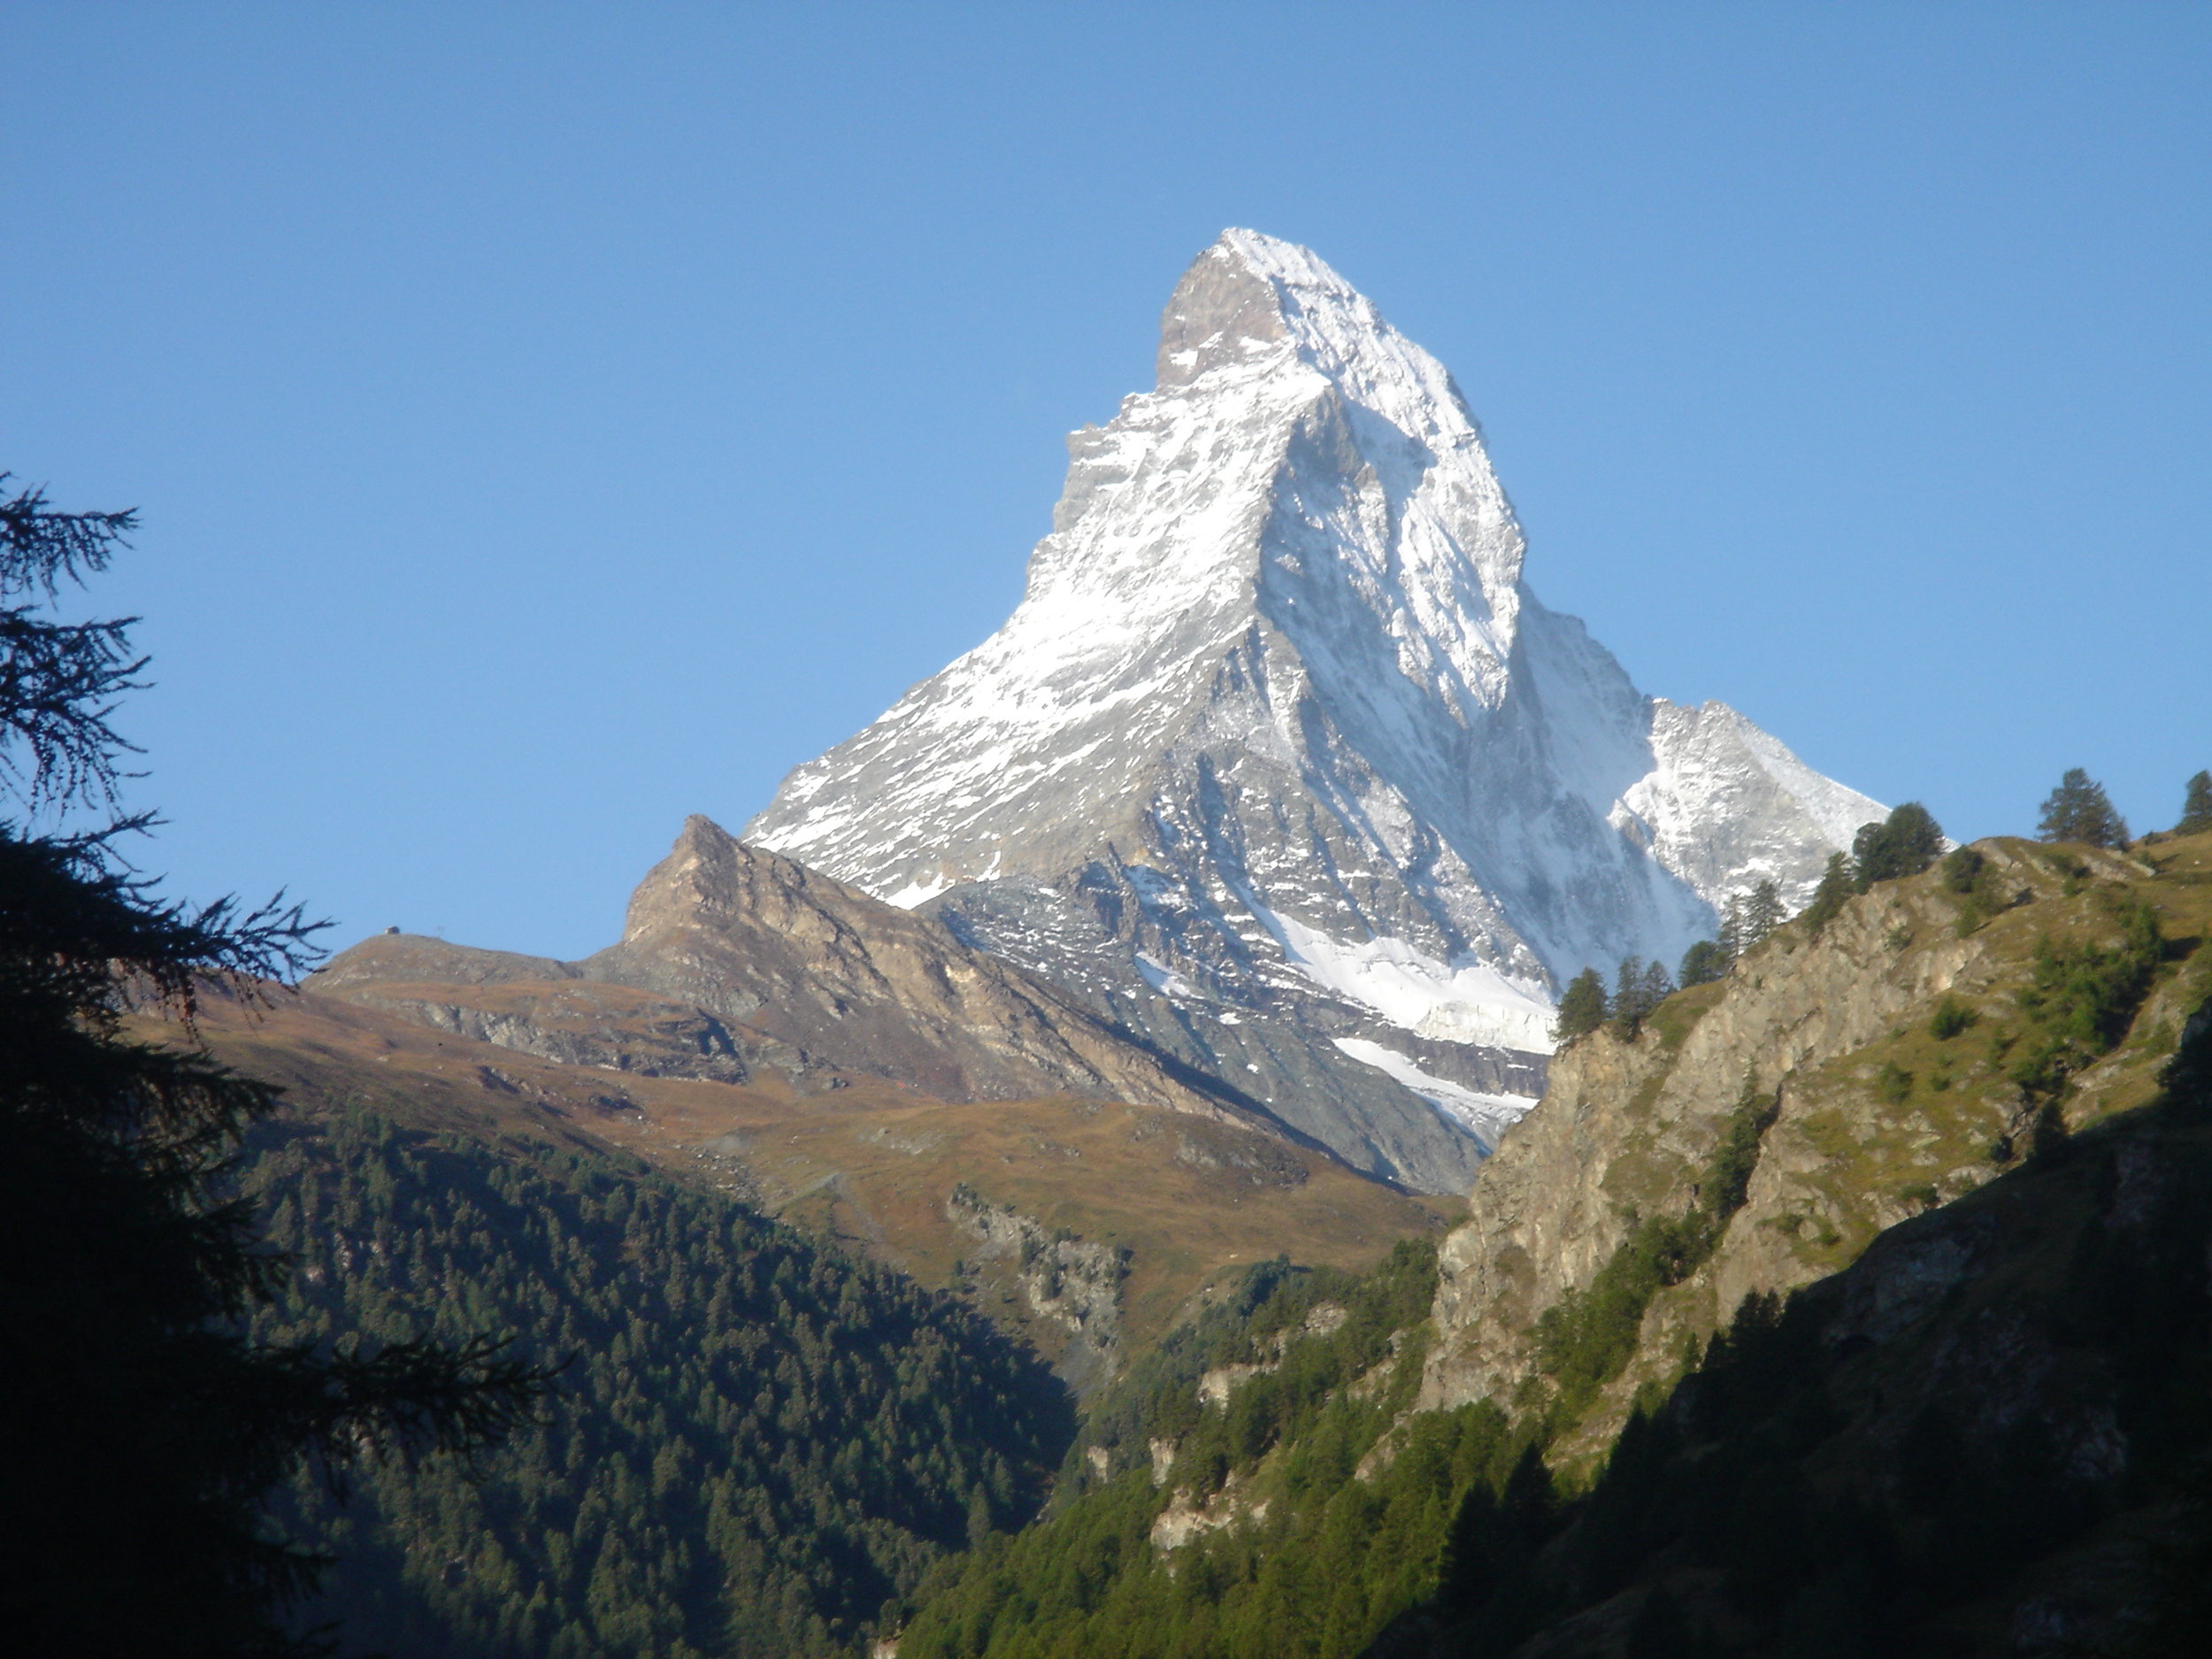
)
(749, 1442)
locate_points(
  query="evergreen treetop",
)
(1703, 962)
(1834, 891)
(2079, 810)
(59, 681)
(1749, 918)
(2196, 806)
(1639, 986)
(1628, 997)
(1903, 844)
(1583, 1007)
(1730, 939)
(140, 1429)
(1761, 913)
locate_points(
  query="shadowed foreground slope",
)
(1988, 1437)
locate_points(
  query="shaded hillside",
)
(752, 1441)
(1988, 1436)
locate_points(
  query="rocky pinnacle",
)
(1280, 763)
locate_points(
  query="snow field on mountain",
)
(1469, 1002)
(1281, 729)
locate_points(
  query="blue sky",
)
(552, 420)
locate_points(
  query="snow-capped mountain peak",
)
(1278, 732)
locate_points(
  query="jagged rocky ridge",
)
(1280, 763)
(735, 960)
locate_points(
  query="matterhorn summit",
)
(1281, 764)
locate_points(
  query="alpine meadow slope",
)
(1280, 764)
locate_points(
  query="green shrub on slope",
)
(2083, 997)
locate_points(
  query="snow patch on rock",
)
(1466, 1001)
(1484, 1117)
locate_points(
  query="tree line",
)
(1905, 843)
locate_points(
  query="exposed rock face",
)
(1627, 1126)
(1075, 1283)
(1281, 762)
(1877, 1120)
(863, 986)
(734, 959)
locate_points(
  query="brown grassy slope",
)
(869, 1163)
(776, 967)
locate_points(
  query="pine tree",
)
(1628, 997)
(1583, 1007)
(2196, 806)
(2079, 810)
(1762, 913)
(1640, 987)
(1731, 940)
(1703, 962)
(139, 1431)
(1833, 894)
(1750, 917)
(1904, 844)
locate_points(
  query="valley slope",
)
(764, 1033)
(1856, 1304)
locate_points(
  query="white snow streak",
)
(1466, 1002)
(1484, 1117)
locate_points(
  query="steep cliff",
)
(1984, 1439)
(1888, 1051)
